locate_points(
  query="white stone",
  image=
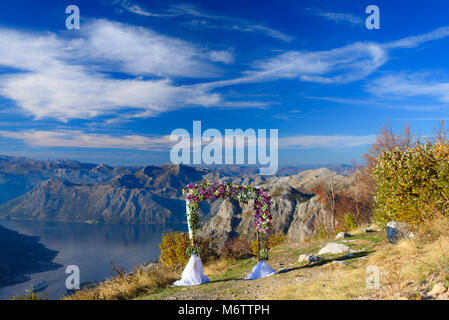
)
(343, 235)
(334, 248)
(309, 258)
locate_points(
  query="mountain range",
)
(69, 190)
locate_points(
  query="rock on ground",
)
(398, 230)
(334, 248)
(309, 258)
(343, 235)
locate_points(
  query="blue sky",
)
(114, 90)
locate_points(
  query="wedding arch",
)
(195, 193)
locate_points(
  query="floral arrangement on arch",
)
(262, 207)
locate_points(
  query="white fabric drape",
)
(261, 270)
(193, 272)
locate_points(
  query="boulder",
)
(343, 235)
(398, 230)
(334, 248)
(309, 258)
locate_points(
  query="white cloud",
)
(340, 65)
(69, 92)
(325, 141)
(403, 86)
(337, 16)
(230, 23)
(79, 139)
(223, 56)
(414, 41)
(346, 64)
(141, 51)
(66, 79)
(260, 28)
(136, 9)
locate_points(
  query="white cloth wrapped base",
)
(193, 273)
(261, 270)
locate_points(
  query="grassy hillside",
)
(408, 270)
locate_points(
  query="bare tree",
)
(331, 198)
(441, 133)
(388, 140)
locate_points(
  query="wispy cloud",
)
(414, 41)
(337, 16)
(139, 10)
(403, 86)
(67, 79)
(346, 64)
(79, 139)
(190, 11)
(341, 65)
(325, 141)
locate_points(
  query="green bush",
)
(412, 184)
(350, 223)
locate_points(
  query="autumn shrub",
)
(410, 181)
(174, 246)
(173, 249)
(350, 222)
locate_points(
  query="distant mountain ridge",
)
(74, 191)
(19, 175)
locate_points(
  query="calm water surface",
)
(92, 247)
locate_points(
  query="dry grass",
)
(408, 270)
(140, 282)
(218, 266)
(411, 268)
